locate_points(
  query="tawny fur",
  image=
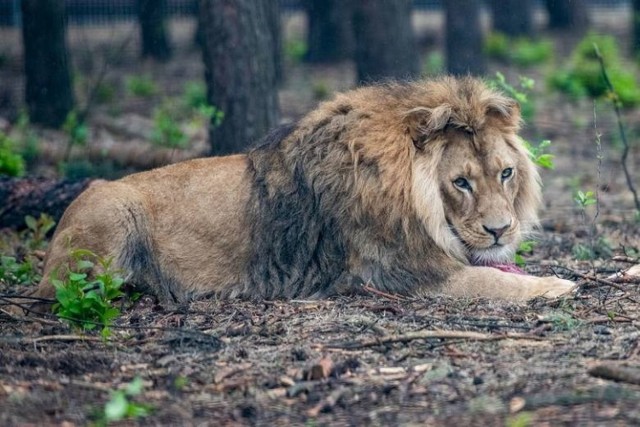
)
(361, 190)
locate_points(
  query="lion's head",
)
(445, 151)
(473, 180)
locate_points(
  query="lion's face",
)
(479, 182)
(477, 191)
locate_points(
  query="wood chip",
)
(320, 370)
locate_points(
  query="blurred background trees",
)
(189, 77)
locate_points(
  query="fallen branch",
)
(421, 335)
(368, 288)
(609, 371)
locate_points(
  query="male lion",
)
(414, 188)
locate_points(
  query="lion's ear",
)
(506, 111)
(422, 123)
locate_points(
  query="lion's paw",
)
(553, 287)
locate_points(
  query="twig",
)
(368, 288)
(621, 130)
(33, 340)
(627, 259)
(421, 335)
(595, 279)
(327, 403)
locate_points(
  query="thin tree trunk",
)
(635, 25)
(385, 43)
(153, 29)
(330, 33)
(571, 15)
(240, 70)
(464, 37)
(48, 91)
(513, 17)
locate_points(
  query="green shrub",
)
(527, 52)
(520, 93)
(167, 132)
(142, 86)
(195, 94)
(120, 405)
(583, 75)
(295, 50)
(11, 162)
(85, 301)
(520, 51)
(433, 64)
(13, 272)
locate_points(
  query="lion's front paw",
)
(552, 287)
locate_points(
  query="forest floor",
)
(370, 360)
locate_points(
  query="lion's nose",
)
(496, 232)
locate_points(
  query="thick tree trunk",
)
(330, 33)
(153, 29)
(273, 17)
(48, 91)
(635, 25)
(385, 43)
(240, 70)
(464, 37)
(33, 196)
(513, 17)
(569, 15)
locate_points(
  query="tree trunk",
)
(513, 17)
(273, 17)
(568, 15)
(240, 70)
(635, 25)
(48, 91)
(464, 37)
(330, 33)
(32, 196)
(153, 29)
(385, 43)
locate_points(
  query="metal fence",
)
(107, 11)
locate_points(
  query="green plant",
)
(11, 162)
(525, 52)
(13, 272)
(539, 155)
(433, 64)
(142, 86)
(295, 50)
(320, 90)
(520, 51)
(88, 302)
(584, 199)
(525, 247)
(496, 46)
(167, 132)
(27, 137)
(120, 406)
(195, 95)
(37, 230)
(519, 93)
(583, 75)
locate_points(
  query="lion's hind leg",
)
(107, 223)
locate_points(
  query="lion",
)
(413, 188)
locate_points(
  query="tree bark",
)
(20, 197)
(153, 29)
(48, 90)
(385, 43)
(513, 17)
(635, 25)
(464, 37)
(569, 15)
(240, 70)
(330, 33)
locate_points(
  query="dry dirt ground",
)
(373, 359)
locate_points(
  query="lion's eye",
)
(462, 183)
(506, 174)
